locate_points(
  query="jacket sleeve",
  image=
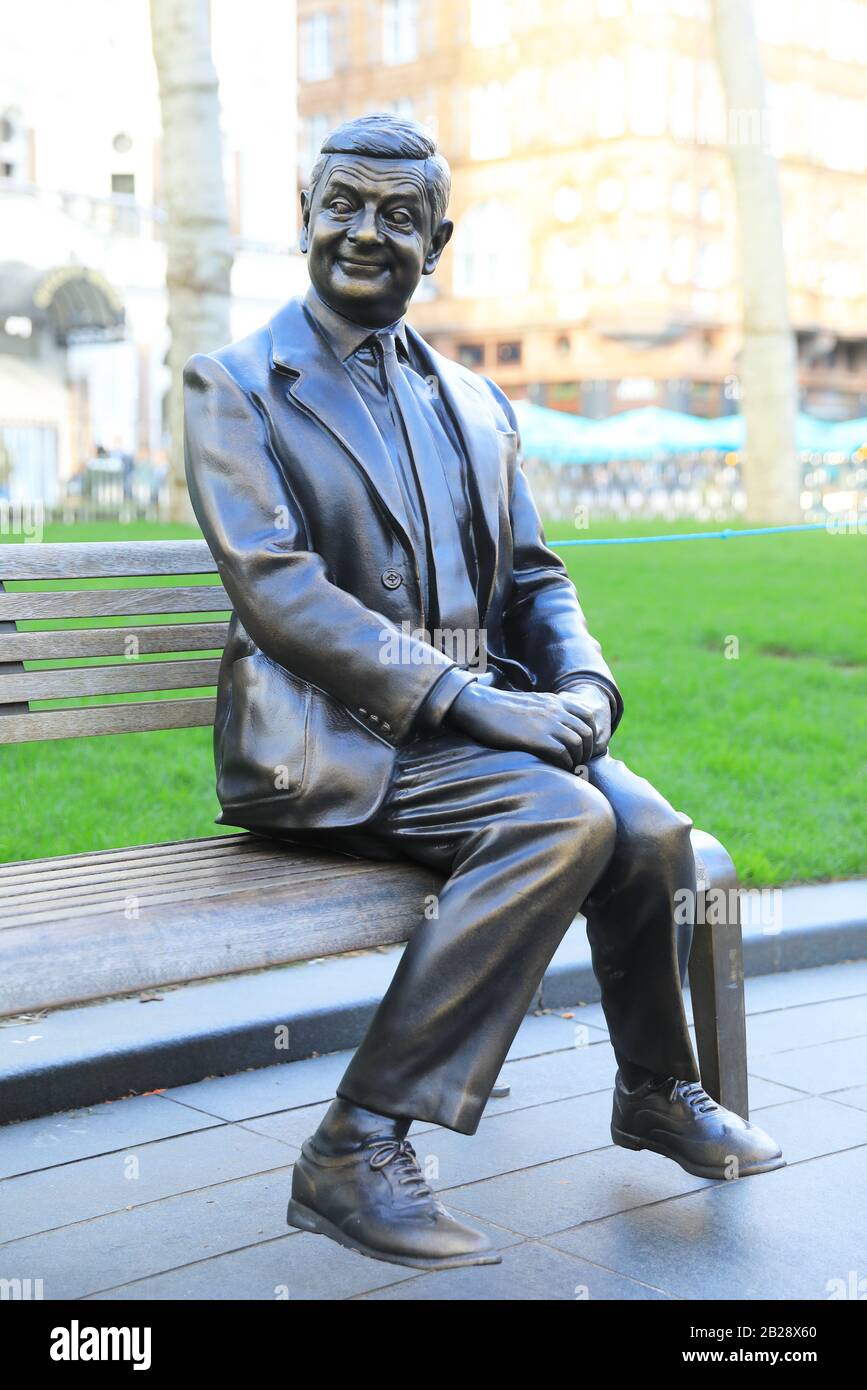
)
(277, 584)
(544, 624)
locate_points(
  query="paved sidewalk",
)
(182, 1195)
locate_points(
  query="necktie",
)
(456, 599)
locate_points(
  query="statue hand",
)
(590, 703)
(529, 723)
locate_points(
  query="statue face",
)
(369, 237)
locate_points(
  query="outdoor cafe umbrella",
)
(550, 435)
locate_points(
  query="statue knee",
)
(587, 822)
(656, 832)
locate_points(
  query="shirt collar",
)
(344, 336)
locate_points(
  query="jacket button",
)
(392, 579)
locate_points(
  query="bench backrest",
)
(134, 631)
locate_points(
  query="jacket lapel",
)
(322, 387)
(474, 419)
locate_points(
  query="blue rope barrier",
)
(697, 535)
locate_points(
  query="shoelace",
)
(692, 1093)
(401, 1154)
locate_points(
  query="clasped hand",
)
(567, 729)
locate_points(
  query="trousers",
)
(524, 846)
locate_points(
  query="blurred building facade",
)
(593, 266)
(83, 334)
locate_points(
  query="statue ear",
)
(438, 243)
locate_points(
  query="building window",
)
(610, 98)
(402, 107)
(564, 263)
(682, 105)
(710, 266)
(491, 251)
(316, 58)
(648, 91)
(471, 354)
(680, 261)
(125, 212)
(609, 195)
(566, 203)
(710, 204)
(399, 31)
(508, 354)
(13, 141)
(490, 130)
(312, 132)
(490, 22)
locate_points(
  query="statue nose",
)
(365, 229)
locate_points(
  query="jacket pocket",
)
(264, 744)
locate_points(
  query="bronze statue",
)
(365, 501)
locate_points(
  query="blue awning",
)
(653, 433)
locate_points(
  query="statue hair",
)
(383, 136)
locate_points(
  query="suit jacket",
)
(319, 684)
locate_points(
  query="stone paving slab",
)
(817, 1069)
(540, 1033)
(92, 1187)
(829, 1021)
(811, 986)
(96, 1129)
(783, 1235)
(97, 1254)
(812, 1127)
(265, 1090)
(529, 1272)
(763, 1093)
(296, 1267)
(854, 1095)
(204, 1218)
(555, 1196)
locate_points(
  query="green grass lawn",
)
(766, 751)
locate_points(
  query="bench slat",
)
(104, 559)
(102, 603)
(111, 641)
(125, 679)
(135, 718)
(104, 860)
(95, 880)
(46, 965)
(78, 905)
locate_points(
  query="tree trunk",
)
(199, 247)
(769, 385)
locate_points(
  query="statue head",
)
(374, 217)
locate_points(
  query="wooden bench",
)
(86, 926)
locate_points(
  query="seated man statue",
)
(366, 505)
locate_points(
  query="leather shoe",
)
(374, 1200)
(680, 1120)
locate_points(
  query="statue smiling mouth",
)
(359, 267)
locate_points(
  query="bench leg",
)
(716, 978)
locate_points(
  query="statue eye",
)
(339, 205)
(401, 217)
